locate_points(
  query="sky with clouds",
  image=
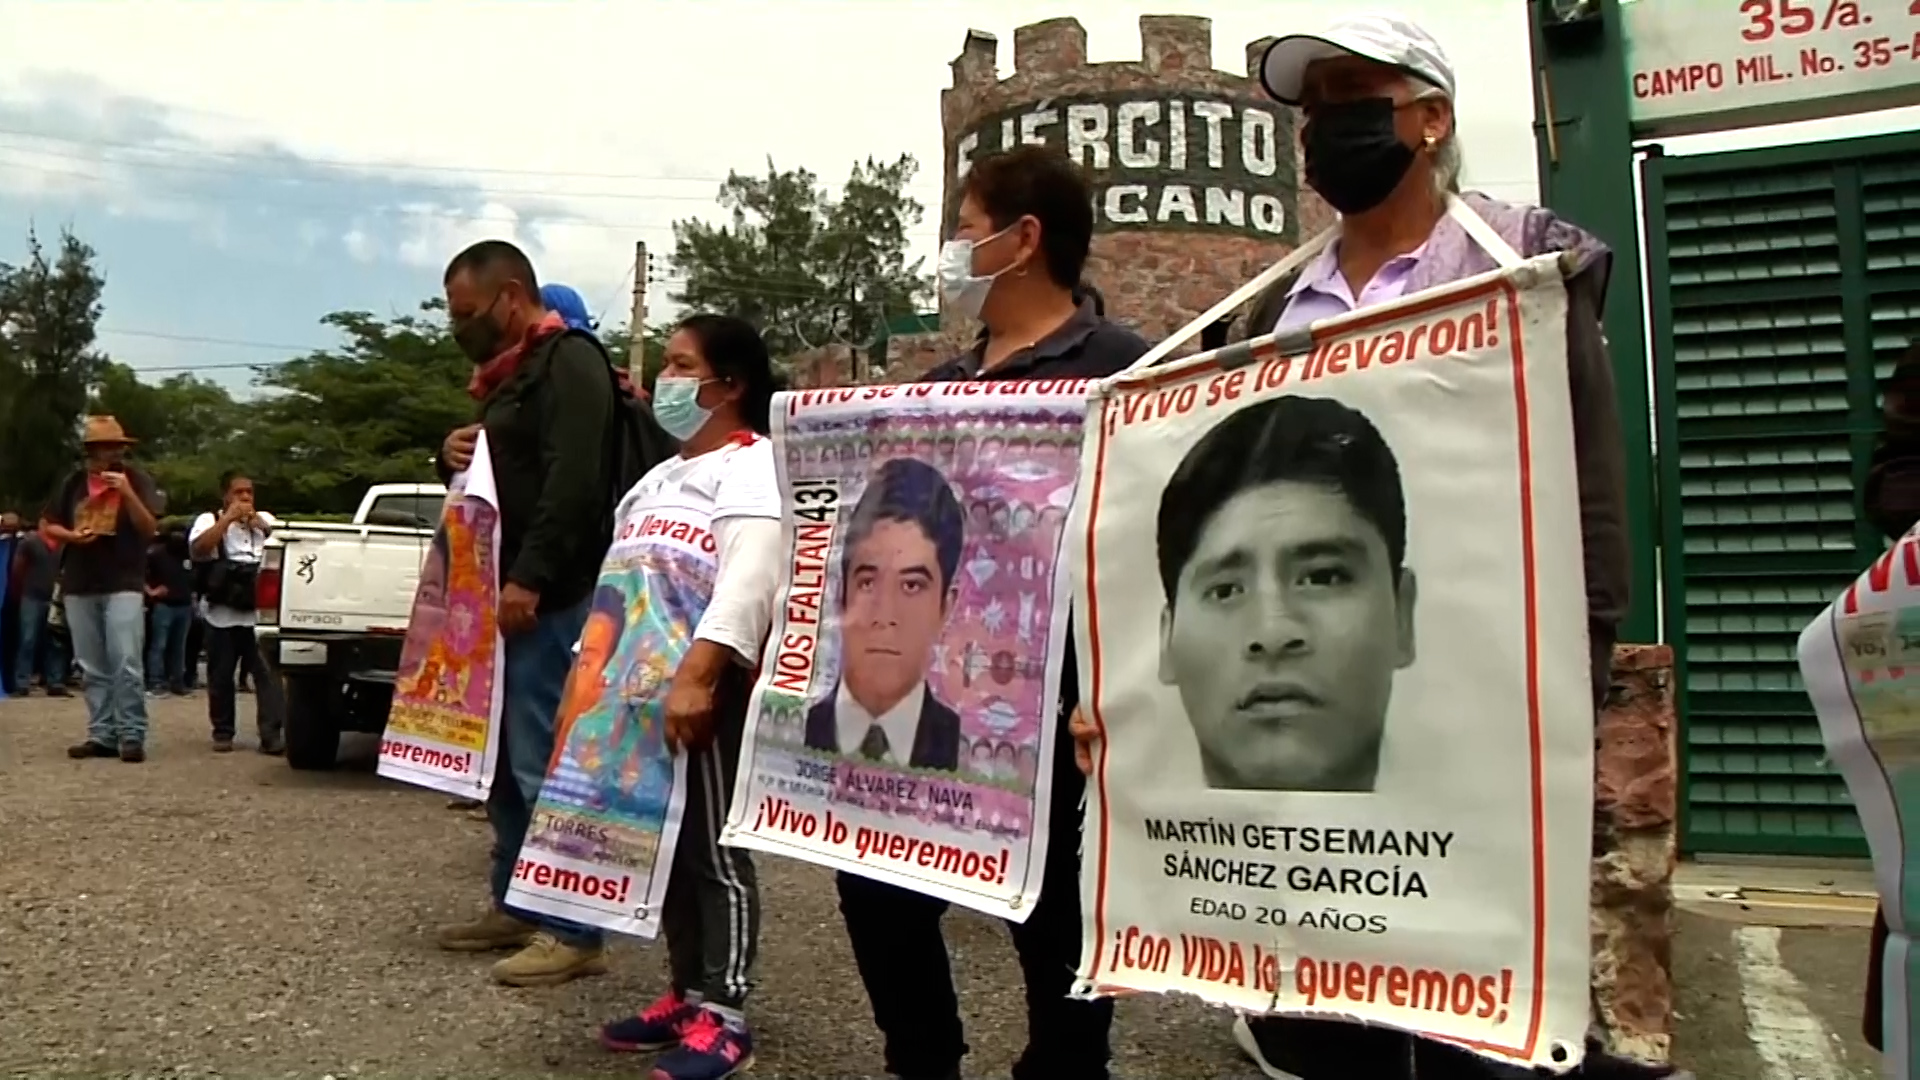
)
(245, 167)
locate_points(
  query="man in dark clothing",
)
(1024, 226)
(170, 592)
(36, 568)
(102, 516)
(551, 409)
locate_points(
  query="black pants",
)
(230, 648)
(903, 962)
(711, 915)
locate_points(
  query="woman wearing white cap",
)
(1377, 93)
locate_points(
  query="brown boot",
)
(548, 961)
(491, 932)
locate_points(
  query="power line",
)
(363, 165)
(465, 189)
(291, 159)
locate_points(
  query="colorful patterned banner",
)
(443, 729)
(908, 696)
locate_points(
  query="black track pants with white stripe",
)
(711, 919)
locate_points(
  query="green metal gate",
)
(1791, 282)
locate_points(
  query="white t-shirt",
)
(728, 502)
(240, 545)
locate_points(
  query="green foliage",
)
(48, 311)
(371, 411)
(189, 431)
(808, 269)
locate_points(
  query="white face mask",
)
(963, 290)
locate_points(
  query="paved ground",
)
(205, 916)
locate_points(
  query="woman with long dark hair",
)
(712, 605)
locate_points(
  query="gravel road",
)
(203, 915)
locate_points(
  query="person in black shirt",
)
(36, 566)
(170, 591)
(1025, 223)
(101, 515)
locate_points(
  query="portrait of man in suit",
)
(899, 556)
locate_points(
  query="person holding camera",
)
(227, 549)
(102, 518)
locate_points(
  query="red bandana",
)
(489, 376)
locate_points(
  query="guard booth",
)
(1781, 285)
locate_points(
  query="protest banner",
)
(600, 849)
(909, 692)
(1860, 661)
(443, 727)
(1331, 610)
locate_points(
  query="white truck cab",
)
(334, 600)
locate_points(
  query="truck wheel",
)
(313, 723)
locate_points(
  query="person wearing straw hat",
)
(1377, 95)
(102, 516)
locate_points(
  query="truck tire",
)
(313, 722)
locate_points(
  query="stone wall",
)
(1196, 170)
(1635, 848)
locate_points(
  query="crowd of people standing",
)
(107, 596)
(576, 450)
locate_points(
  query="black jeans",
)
(903, 961)
(230, 648)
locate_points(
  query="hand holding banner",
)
(1332, 619)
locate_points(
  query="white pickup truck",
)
(333, 601)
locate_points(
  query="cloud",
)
(360, 245)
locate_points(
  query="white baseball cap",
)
(1381, 38)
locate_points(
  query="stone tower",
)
(1196, 171)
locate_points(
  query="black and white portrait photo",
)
(1282, 540)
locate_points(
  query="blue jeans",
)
(107, 637)
(167, 646)
(40, 650)
(537, 663)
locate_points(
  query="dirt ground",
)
(224, 916)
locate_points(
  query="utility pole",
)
(637, 350)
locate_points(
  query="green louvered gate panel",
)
(1785, 282)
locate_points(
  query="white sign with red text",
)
(902, 728)
(1331, 616)
(1708, 65)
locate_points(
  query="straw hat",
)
(105, 430)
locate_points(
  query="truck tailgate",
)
(350, 578)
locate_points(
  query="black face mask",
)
(478, 335)
(1354, 157)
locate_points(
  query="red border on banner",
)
(1362, 321)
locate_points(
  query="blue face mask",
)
(676, 405)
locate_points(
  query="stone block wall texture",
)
(1636, 761)
(1196, 170)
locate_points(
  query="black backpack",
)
(642, 442)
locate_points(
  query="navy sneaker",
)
(659, 1026)
(710, 1049)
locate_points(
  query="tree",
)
(809, 270)
(371, 411)
(48, 314)
(190, 431)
